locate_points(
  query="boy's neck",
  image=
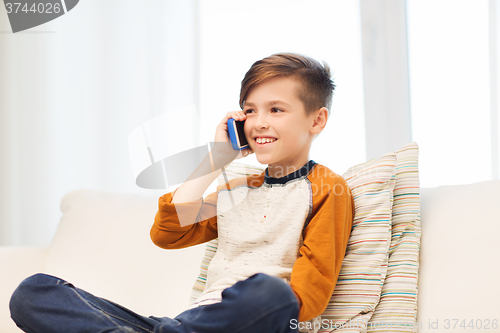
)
(283, 171)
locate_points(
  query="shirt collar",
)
(303, 171)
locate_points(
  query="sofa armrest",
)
(17, 263)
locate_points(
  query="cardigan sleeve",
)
(325, 238)
(184, 224)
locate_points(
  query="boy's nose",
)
(261, 123)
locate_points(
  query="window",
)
(450, 90)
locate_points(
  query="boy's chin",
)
(263, 159)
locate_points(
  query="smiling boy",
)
(280, 249)
(282, 234)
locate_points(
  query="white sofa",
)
(103, 245)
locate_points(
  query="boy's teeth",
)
(260, 140)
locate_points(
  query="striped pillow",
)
(397, 308)
(364, 268)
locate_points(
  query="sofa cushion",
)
(459, 258)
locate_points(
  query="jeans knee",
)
(268, 290)
(25, 295)
(274, 286)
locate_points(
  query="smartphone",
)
(237, 134)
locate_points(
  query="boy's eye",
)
(273, 110)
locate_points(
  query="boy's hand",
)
(222, 133)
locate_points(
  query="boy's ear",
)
(320, 118)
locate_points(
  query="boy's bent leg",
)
(260, 303)
(44, 303)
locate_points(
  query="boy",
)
(282, 234)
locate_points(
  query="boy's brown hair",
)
(314, 78)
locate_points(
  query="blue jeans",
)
(261, 303)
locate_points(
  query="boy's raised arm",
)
(184, 218)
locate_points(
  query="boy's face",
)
(274, 111)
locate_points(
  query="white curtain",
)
(71, 92)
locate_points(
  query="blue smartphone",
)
(237, 134)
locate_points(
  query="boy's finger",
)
(233, 114)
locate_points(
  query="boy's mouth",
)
(264, 141)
